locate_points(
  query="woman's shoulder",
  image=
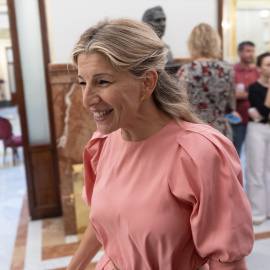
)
(204, 150)
(202, 131)
(224, 64)
(254, 86)
(100, 141)
(96, 138)
(190, 70)
(198, 66)
(202, 142)
(191, 65)
(216, 63)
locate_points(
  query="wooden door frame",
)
(219, 16)
(33, 154)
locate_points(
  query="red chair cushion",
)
(5, 128)
(14, 141)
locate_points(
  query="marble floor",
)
(42, 244)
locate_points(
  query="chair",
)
(8, 138)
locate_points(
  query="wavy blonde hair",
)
(133, 46)
(204, 41)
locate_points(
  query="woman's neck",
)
(204, 59)
(264, 81)
(145, 130)
(149, 121)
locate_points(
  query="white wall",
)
(67, 19)
(4, 22)
(251, 26)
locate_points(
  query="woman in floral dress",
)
(210, 81)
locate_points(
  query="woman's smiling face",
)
(112, 95)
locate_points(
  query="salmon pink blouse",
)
(172, 201)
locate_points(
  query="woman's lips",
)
(101, 115)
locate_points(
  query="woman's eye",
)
(82, 83)
(102, 82)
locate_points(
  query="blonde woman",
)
(165, 190)
(210, 81)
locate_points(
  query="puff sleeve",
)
(91, 156)
(211, 182)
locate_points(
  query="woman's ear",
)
(149, 82)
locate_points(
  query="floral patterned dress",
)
(211, 89)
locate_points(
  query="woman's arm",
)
(267, 99)
(258, 101)
(213, 185)
(88, 248)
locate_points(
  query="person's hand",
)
(241, 95)
(267, 98)
(240, 92)
(235, 113)
(254, 114)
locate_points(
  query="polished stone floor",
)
(12, 191)
(42, 244)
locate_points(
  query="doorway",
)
(13, 186)
(8, 101)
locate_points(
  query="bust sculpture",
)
(156, 18)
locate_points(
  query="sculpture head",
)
(156, 18)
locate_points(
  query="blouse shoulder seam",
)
(96, 137)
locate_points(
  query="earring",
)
(143, 97)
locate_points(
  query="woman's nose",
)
(90, 96)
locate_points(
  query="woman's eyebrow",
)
(102, 74)
(96, 75)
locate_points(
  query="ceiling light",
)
(264, 13)
(225, 24)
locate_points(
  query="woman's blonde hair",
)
(133, 46)
(204, 41)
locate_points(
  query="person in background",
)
(210, 81)
(245, 74)
(258, 143)
(165, 189)
(156, 18)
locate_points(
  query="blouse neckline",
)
(152, 137)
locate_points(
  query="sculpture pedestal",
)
(74, 127)
(81, 209)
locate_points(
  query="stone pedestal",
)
(74, 127)
(81, 209)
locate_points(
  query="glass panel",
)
(253, 27)
(11, 78)
(250, 21)
(30, 45)
(9, 55)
